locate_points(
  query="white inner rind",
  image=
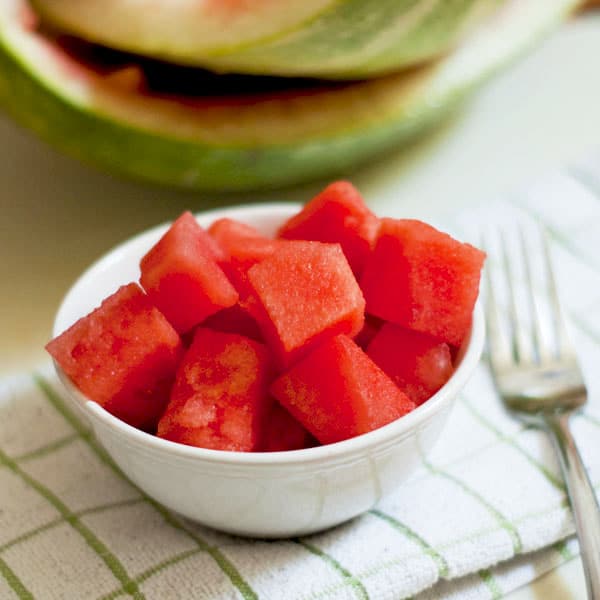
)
(185, 29)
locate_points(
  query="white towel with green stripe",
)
(485, 513)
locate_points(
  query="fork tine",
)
(521, 342)
(500, 353)
(540, 349)
(563, 344)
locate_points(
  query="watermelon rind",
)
(263, 142)
(316, 38)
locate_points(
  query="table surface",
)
(59, 216)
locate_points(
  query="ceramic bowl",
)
(277, 494)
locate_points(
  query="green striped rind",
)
(191, 30)
(440, 29)
(356, 123)
(340, 39)
(358, 39)
(123, 148)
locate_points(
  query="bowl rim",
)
(387, 434)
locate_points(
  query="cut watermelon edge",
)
(257, 155)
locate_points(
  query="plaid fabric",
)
(71, 526)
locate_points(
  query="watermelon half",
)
(317, 38)
(104, 111)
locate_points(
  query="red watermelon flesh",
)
(220, 399)
(338, 214)
(235, 319)
(242, 246)
(337, 392)
(304, 293)
(241, 242)
(123, 355)
(238, 276)
(418, 363)
(181, 275)
(422, 279)
(283, 432)
(369, 331)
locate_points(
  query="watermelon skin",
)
(162, 155)
(417, 363)
(220, 398)
(248, 142)
(302, 294)
(123, 355)
(314, 38)
(337, 215)
(180, 31)
(337, 392)
(181, 276)
(284, 433)
(422, 279)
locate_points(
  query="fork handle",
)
(583, 500)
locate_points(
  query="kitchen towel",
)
(485, 513)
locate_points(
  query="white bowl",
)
(276, 494)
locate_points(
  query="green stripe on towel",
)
(224, 564)
(14, 582)
(109, 559)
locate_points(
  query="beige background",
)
(57, 216)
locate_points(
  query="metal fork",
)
(540, 380)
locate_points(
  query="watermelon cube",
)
(241, 242)
(283, 432)
(220, 398)
(304, 293)
(123, 355)
(338, 214)
(422, 279)
(419, 364)
(338, 392)
(242, 246)
(181, 276)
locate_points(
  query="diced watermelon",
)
(242, 246)
(338, 392)
(181, 275)
(241, 242)
(220, 399)
(235, 319)
(418, 363)
(123, 355)
(338, 214)
(283, 432)
(304, 293)
(423, 279)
